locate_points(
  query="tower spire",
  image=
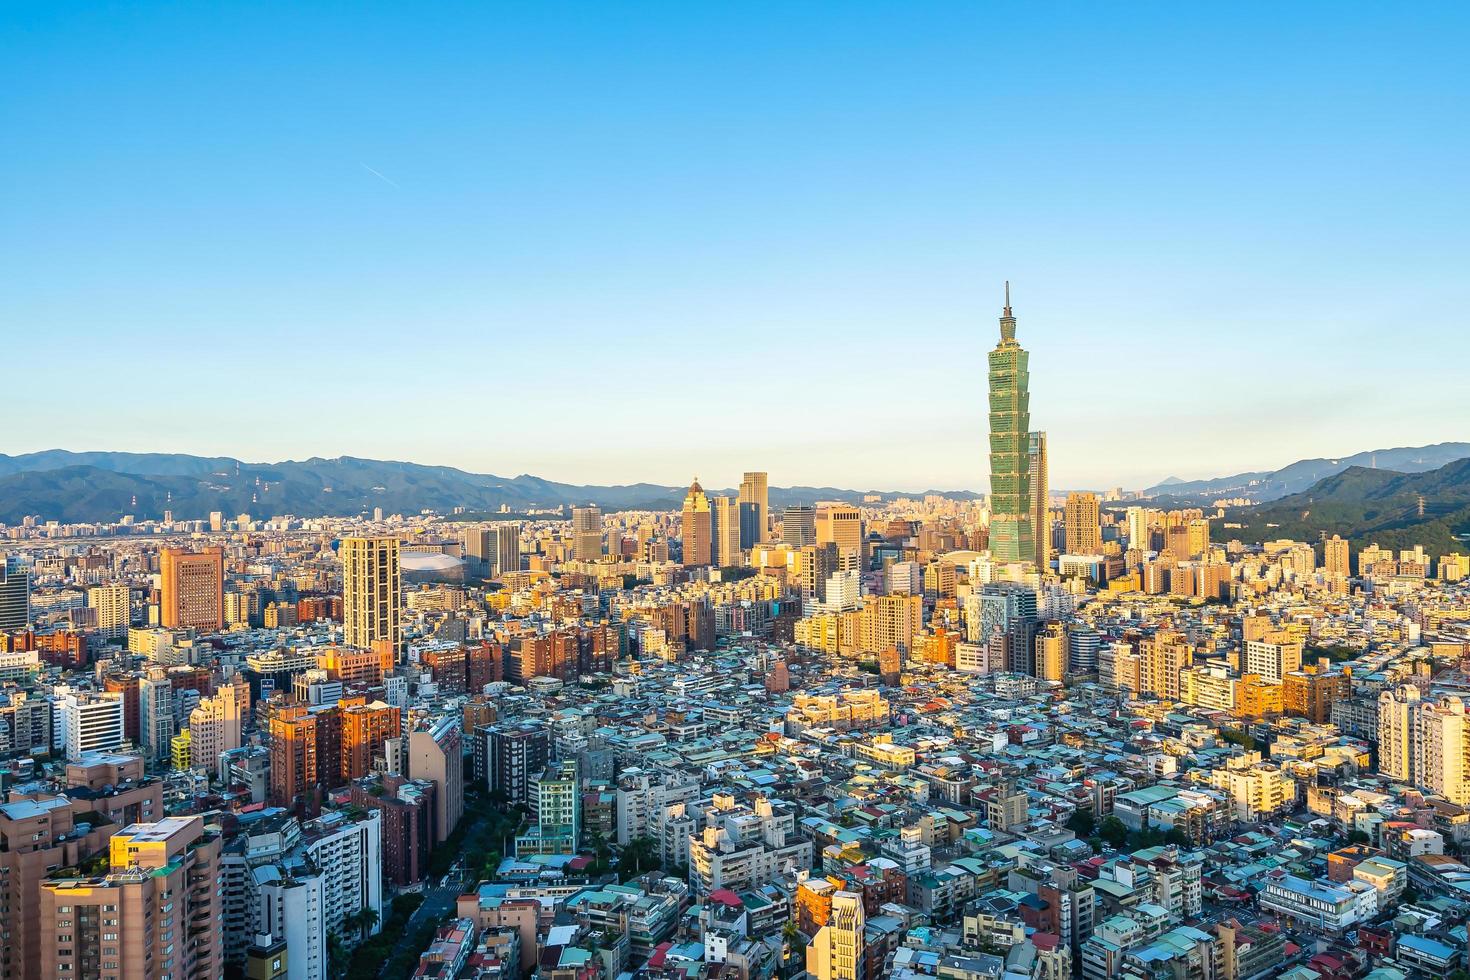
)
(1008, 298)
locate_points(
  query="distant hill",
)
(1304, 473)
(90, 486)
(1395, 510)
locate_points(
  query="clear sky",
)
(611, 242)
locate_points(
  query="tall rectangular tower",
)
(193, 588)
(1011, 533)
(372, 593)
(753, 490)
(1040, 500)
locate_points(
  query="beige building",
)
(1084, 529)
(697, 527)
(836, 951)
(155, 913)
(372, 594)
(192, 588)
(113, 609)
(587, 533)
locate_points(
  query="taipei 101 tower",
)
(1011, 534)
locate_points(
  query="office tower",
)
(836, 951)
(818, 562)
(752, 530)
(1011, 534)
(1040, 498)
(1083, 644)
(89, 723)
(372, 595)
(696, 527)
(154, 914)
(216, 521)
(1084, 531)
(192, 588)
(155, 714)
(507, 548)
(1336, 556)
(587, 533)
(1051, 652)
(113, 609)
(294, 768)
(753, 491)
(436, 754)
(725, 530)
(841, 525)
(514, 756)
(799, 526)
(15, 595)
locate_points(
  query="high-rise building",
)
(112, 605)
(1011, 534)
(1084, 530)
(372, 595)
(1425, 743)
(754, 491)
(555, 804)
(89, 723)
(841, 525)
(155, 714)
(435, 754)
(698, 546)
(365, 729)
(154, 914)
(1040, 498)
(725, 531)
(514, 756)
(799, 526)
(215, 725)
(1051, 652)
(192, 588)
(15, 595)
(836, 951)
(507, 550)
(587, 533)
(293, 769)
(1336, 555)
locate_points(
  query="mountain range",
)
(1266, 485)
(75, 487)
(1368, 506)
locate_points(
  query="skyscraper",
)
(15, 595)
(587, 533)
(112, 603)
(1011, 534)
(1040, 499)
(1335, 556)
(725, 531)
(799, 526)
(192, 588)
(697, 527)
(1084, 532)
(753, 490)
(372, 593)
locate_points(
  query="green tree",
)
(1081, 823)
(1114, 831)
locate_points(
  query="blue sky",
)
(616, 242)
